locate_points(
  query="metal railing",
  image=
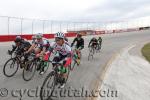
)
(13, 25)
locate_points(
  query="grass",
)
(146, 51)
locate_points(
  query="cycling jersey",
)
(65, 49)
(43, 43)
(80, 42)
(24, 45)
(93, 42)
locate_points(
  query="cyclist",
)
(64, 54)
(99, 42)
(93, 43)
(40, 46)
(20, 46)
(79, 46)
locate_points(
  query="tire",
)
(11, 66)
(30, 67)
(49, 78)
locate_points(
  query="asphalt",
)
(127, 77)
(85, 77)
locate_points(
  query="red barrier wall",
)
(4, 38)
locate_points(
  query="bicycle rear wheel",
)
(12, 68)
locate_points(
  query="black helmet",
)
(18, 40)
(18, 37)
(79, 34)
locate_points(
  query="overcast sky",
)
(76, 10)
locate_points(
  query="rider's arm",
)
(31, 48)
(14, 48)
(90, 43)
(43, 51)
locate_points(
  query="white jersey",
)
(43, 43)
(64, 49)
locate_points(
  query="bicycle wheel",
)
(29, 71)
(12, 66)
(48, 87)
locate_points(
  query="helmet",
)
(19, 37)
(38, 36)
(18, 40)
(79, 34)
(94, 38)
(60, 35)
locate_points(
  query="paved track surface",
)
(85, 76)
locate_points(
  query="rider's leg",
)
(64, 69)
(78, 53)
(79, 56)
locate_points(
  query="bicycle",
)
(18, 59)
(32, 65)
(91, 52)
(52, 81)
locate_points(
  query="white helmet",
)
(40, 34)
(60, 35)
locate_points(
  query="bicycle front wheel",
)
(48, 87)
(29, 71)
(10, 67)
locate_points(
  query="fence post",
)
(43, 26)
(60, 27)
(51, 27)
(8, 25)
(21, 25)
(32, 25)
(67, 26)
